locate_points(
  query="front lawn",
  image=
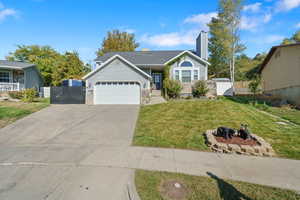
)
(181, 124)
(152, 185)
(284, 112)
(12, 111)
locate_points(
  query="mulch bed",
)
(237, 140)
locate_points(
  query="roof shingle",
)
(14, 64)
(143, 57)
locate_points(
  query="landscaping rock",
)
(262, 148)
(234, 147)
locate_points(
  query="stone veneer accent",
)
(263, 149)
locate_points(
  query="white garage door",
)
(117, 93)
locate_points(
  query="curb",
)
(131, 189)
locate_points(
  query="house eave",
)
(189, 53)
(111, 59)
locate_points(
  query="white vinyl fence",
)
(223, 87)
(45, 92)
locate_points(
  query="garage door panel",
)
(117, 93)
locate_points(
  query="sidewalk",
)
(275, 172)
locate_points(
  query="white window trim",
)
(192, 69)
(185, 61)
(10, 75)
(198, 74)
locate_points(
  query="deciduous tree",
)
(224, 43)
(54, 67)
(118, 41)
(294, 39)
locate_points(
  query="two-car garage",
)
(117, 93)
(117, 81)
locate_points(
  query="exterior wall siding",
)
(32, 78)
(117, 70)
(283, 69)
(187, 87)
(280, 76)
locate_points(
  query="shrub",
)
(16, 94)
(29, 95)
(254, 85)
(200, 89)
(172, 88)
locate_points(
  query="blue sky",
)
(158, 24)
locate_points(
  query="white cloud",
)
(172, 39)
(130, 30)
(186, 37)
(255, 7)
(248, 23)
(286, 5)
(251, 23)
(201, 19)
(6, 13)
(298, 25)
(270, 39)
(267, 18)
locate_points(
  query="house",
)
(16, 76)
(130, 77)
(280, 72)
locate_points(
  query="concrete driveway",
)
(40, 155)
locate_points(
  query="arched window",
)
(186, 64)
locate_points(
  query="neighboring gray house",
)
(130, 77)
(16, 76)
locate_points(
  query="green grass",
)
(12, 111)
(181, 124)
(284, 112)
(287, 113)
(148, 185)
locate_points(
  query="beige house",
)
(280, 72)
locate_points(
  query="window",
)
(186, 64)
(186, 76)
(196, 76)
(177, 75)
(4, 77)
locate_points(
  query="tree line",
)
(53, 66)
(225, 47)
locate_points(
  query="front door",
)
(157, 80)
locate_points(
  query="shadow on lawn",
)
(228, 191)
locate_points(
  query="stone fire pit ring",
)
(262, 149)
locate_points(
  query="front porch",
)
(9, 87)
(11, 80)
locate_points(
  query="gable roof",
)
(143, 57)
(110, 60)
(189, 53)
(14, 64)
(271, 52)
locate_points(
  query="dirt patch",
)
(173, 190)
(237, 140)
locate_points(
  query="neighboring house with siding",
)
(16, 76)
(280, 72)
(130, 77)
